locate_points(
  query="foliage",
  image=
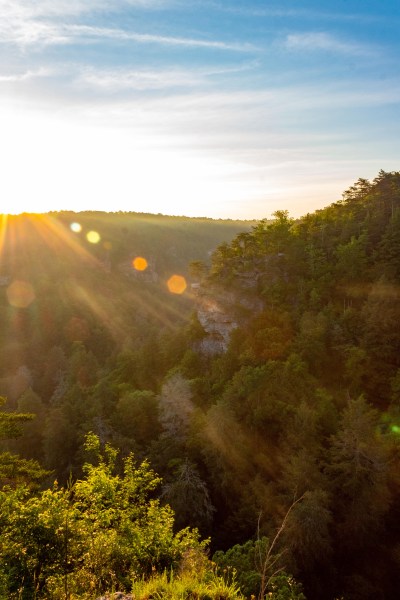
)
(103, 530)
(188, 495)
(11, 422)
(284, 587)
(256, 570)
(13, 469)
(242, 561)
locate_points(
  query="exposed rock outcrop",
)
(218, 325)
(220, 312)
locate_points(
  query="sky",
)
(218, 108)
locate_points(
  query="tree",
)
(388, 252)
(11, 422)
(13, 469)
(176, 407)
(136, 416)
(258, 565)
(188, 496)
(306, 536)
(197, 270)
(359, 470)
(352, 260)
(30, 444)
(103, 531)
(381, 338)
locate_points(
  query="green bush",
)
(242, 561)
(103, 532)
(245, 564)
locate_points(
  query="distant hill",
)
(168, 242)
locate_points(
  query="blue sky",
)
(214, 108)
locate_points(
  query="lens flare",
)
(140, 263)
(20, 294)
(76, 227)
(93, 237)
(177, 284)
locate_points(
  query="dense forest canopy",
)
(266, 395)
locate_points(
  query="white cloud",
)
(30, 22)
(86, 31)
(25, 76)
(64, 8)
(27, 32)
(259, 108)
(121, 79)
(317, 41)
(117, 80)
(288, 13)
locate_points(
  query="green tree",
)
(104, 531)
(242, 562)
(188, 496)
(13, 469)
(197, 270)
(352, 259)
(285, 587)
(30, 444)
(136, 416)
(11, 422)
(359, 470)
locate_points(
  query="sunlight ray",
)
(58, 237)
(3, 231)
(108, 316)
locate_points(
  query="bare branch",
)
(267, 563)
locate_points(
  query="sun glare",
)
(140, 263)
(93, 237)
(20, 294)
(177, 284)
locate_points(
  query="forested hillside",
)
(265, 395)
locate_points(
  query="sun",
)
(54, 163)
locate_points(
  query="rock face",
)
(218, 325)
(219, 312)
